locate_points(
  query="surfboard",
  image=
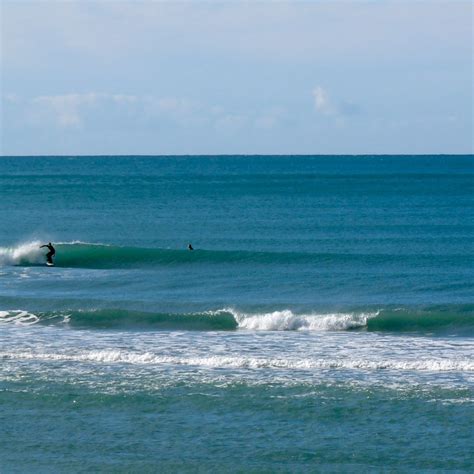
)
(50, 264)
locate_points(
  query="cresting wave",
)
(451, 319)
(149, 358)
(221, 319)
(102, 256)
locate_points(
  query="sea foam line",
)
(148, 358)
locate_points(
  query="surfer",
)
(190, 247)
(51, 253)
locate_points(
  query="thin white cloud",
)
(70, 110)
(322, 102)
(175, 106)
(74, 110)
(66, 108)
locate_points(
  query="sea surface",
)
(323, 323)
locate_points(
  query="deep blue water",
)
(324, 321)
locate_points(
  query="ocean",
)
(324, 321)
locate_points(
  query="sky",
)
(229, 77)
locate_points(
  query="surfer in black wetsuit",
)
(190, 247)
(51, 253)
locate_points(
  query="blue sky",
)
(236, 77)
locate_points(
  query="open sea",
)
(324, 321)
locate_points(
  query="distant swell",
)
(91, 255)
(454, 319)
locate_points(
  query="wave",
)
(149, 358)
(453, 319)
(102, 256)
(92, 255)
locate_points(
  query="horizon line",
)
(230, 155)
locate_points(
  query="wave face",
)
(456, 321)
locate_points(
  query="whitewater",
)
(324, 321)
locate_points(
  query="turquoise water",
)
(324, 321)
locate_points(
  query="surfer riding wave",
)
(50, 254)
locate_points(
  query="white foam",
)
(149, 358)
(25, 318)
(28, 253)
(286, 320)
(19, 317)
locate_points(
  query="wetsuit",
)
(50, 254)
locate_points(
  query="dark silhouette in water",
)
(190, 247)
(51, 253)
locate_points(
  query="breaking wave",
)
(454, 319)
(25, 254)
